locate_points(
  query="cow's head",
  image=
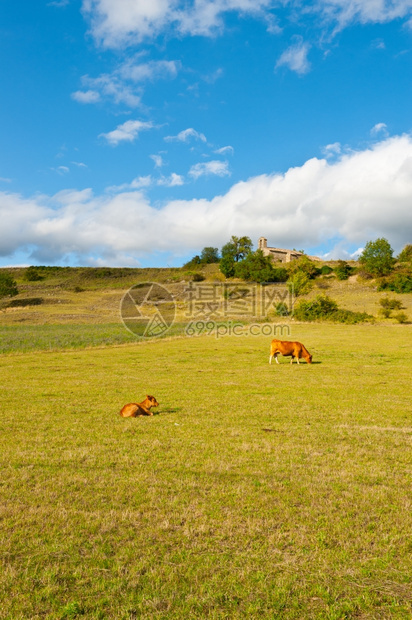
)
(152, 400)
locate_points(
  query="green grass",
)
(26, 338)
(257, 492)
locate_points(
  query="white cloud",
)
(359, 197)
(295, 57)
(5, 180)
(206, 17)
(137, 183)
(212, 77)
(128, 132)
(215, 167)
(340, 250)
(136, 71)
(355, 255)
(343, 12)
(61, 169)
(124, 84)
(225, 150)
(378, 44)
(172, 181)
(380, 128)
(331, 150)
(117, 23)
(186, 135)
(148, 181)
(79, 164)
(114, 22)
(107, 86)
(87, 96)
(158, 160)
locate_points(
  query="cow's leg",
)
(270, 358)
(291, 359)
(297, 359)
(276, 358)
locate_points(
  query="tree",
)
(227, 266)
(406, 255)
(343, 270)
(299, 283)
(209, 255)
(237, 248)
(193, 262)
(8, 285)
(377, 257)
(259, 268)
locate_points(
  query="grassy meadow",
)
(256, 492)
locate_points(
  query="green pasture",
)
(25, 338)
(256, 492)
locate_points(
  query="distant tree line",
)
(238, 260)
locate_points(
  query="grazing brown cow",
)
(285, 347)
(135, 410)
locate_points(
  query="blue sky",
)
(136, 132)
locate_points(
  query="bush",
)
(106, 272)
(8, 285)
(281, 309)
(349, 317)
(299, 284)
(32, 274)
(377, 257)
(399, 283)
(401, 317)
(21, 303)
(343, 270)
(385, 312)
(320, 307)
(259, 268)
(198, 277)
(326, 270)
(390, 304)
(325, 308)
(305, 265)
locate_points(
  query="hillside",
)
(70, 295)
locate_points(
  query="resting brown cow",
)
(135, 410)
(285, 347)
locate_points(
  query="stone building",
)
(279, 254)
